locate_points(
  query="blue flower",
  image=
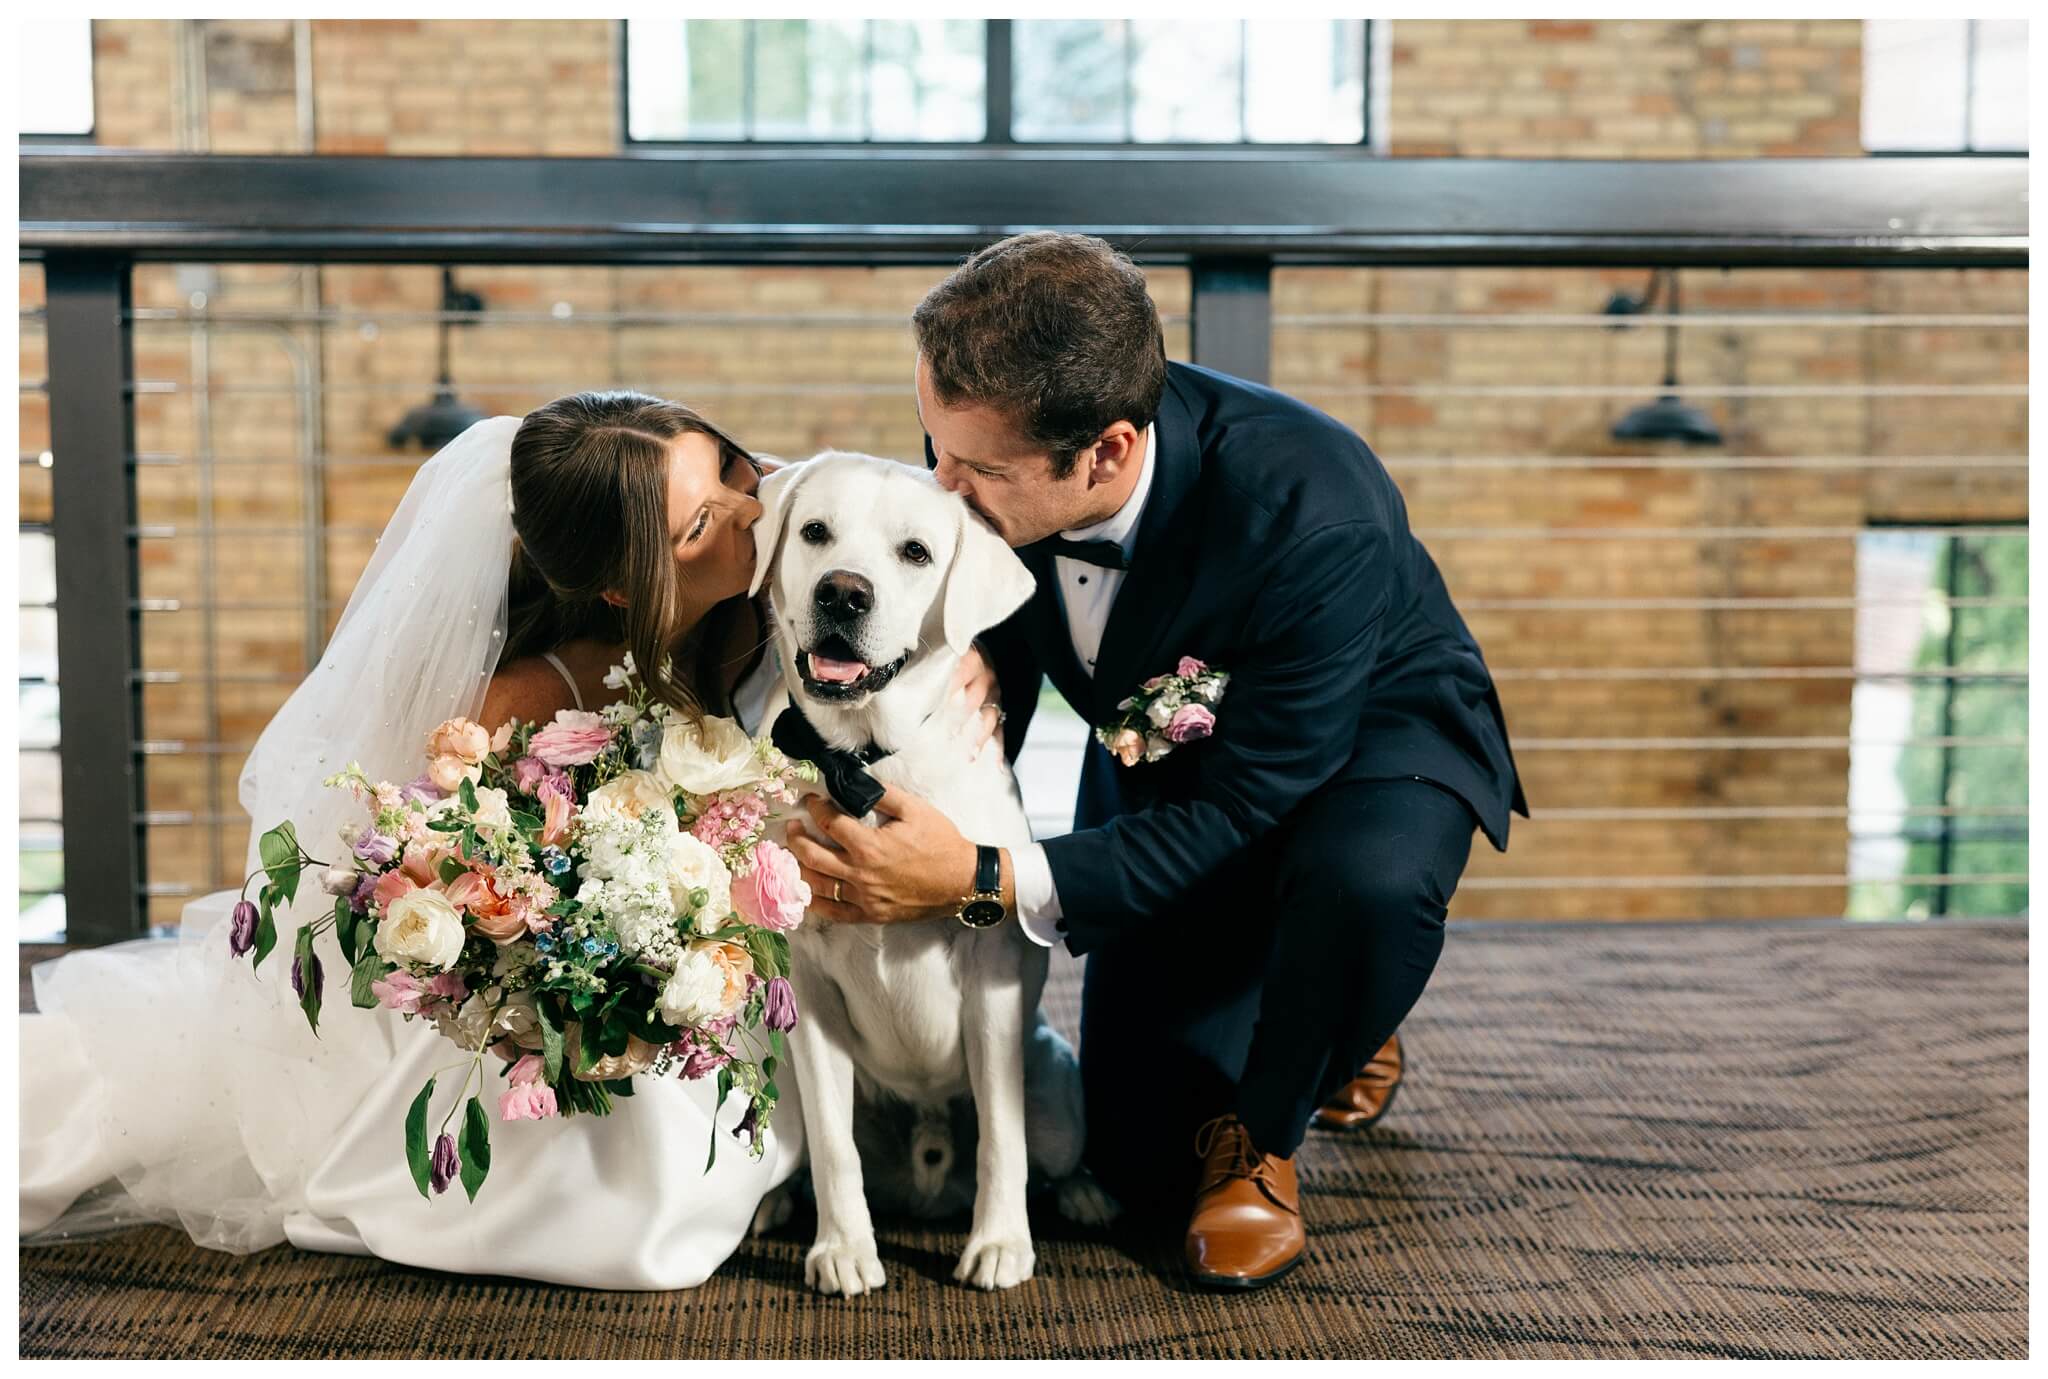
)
(555, 860)
(591, 945)
(545, 943)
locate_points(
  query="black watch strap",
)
(988, 870)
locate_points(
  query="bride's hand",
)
(975, 684)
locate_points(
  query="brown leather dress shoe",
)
(1246, 1230)
(1365, 1098)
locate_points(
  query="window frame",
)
(998, 125)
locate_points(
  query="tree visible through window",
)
(1954, 802)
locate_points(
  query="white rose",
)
(1157, 746)
(706, 756)
(628, 797)
(693, 865)
(694, 992)
(1161, 713)
(493, 809)
(1210, 690)
(422, 929)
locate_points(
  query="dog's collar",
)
(844, 772)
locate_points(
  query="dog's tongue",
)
(837, 672)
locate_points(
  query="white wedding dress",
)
(162, 1080)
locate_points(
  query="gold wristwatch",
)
(983, 907)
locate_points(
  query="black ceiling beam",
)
(865, 205)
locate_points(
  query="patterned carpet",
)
(1614, 1141)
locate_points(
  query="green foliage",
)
(473, 1147)
(418, 1151)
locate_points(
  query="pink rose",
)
(561, 811)
(573, 739)
(1189, 668)
(1154, 683)
(532, 1102)
(390, 886)
(401, 991)
(1129, 746)
(774, 894)
(1189, 723)
(527, 773)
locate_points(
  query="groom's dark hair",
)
(1055, 331)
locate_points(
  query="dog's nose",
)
(844, 594)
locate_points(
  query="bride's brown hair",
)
(590, 508)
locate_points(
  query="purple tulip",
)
(778, 1005)
(365, 888)
(299, 980)
(242, 933)
(446, 1163)
(374, 848)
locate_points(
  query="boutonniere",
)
(1166, 711)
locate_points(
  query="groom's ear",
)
(775, 493)
(986, 584)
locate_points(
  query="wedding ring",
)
(835, 892)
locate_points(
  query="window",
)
(1945, 85)
(1937, 786)
(55, 66)
(1203, 81)
(824, 80)
(1085, 81)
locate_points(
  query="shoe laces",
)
(1239, 1157)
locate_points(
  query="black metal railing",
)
(1229, 217)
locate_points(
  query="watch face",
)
(982, 914)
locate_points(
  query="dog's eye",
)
(816, 533)
(915, 553)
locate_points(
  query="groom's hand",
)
(915, 866)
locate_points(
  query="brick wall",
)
(1421, 394)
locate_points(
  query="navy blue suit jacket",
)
(1273, 546)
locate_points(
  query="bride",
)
(164, 1081)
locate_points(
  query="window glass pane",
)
(1305, 81)
(927, 79)
(55, 66)
(1913, 83)
(1998, 107)
(808, 76)
(657, 79)
(1069, 77)
(704, 69)
(1185, 80)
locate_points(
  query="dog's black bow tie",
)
(845, 773)
(1107, 554)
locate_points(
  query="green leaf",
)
(369, 968)
(345, 928)
(416, 1152)
(445, 825)
(530, 823)
(468, 795)
(450, 869)
(550, 1041)
(280, 851)
(473, 1147)
(266, 929)
(309, 999)
(724, 1088)
(768, 1069)
(586, 1051)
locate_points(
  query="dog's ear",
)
(775, 494)
(986, 584)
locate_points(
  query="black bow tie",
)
(1107, 554)
(845, 773)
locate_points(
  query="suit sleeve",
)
(1287, 723)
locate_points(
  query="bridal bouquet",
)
(588, 900)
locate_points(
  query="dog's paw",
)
(775, 1210)
(846, 1268)
(997, 1262)
(1083, 1202)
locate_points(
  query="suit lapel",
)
(1157, 583)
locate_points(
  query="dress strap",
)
(556, 662)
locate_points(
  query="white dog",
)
(880, 581)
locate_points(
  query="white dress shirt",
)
(1087, 594)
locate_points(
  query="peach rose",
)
(490, 914)
(459, 737)
(1129, 747)
(737, 966)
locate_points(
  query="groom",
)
(1260, 908)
